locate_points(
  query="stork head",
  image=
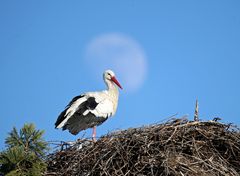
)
(109, 75)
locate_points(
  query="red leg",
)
(94, 134)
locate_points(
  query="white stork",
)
(90, 109)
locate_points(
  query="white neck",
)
(112, 88)
(112, 92)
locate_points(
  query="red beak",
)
(116, 82)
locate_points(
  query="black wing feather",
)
(62, 116)
(78, 122)
(73, 100)
(91, 103)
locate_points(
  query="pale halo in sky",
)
(120, 53)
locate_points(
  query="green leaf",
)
(25, 153)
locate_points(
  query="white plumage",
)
(90, 109)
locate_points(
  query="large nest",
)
(177, 147)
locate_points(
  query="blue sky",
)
(171, 51)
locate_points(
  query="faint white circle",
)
(120, 53)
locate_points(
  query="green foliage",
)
(25, 153)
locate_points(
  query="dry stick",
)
(208, 164)
(175, 129)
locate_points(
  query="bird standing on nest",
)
(91, 109)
